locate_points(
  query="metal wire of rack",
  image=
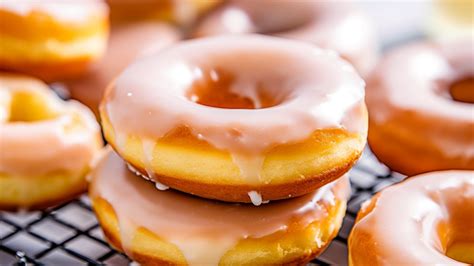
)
(70, 235)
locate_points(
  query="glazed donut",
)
(451, 19)
(169, 228)
(51, 39)
(245, 118)
(181, 12)
(46, 145)
(127, 42)
(431, 214)
(416, 124)
(327, 24)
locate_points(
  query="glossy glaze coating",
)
(289, 90)
(203, 230)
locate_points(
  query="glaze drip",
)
(255, 197)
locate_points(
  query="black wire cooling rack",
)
(70, 235)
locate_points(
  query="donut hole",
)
(460, 235)
(26, 106)
(461, 251)
(456, 233)
(463, 90)
(218, 89)
(460, 238)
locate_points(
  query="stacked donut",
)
(248, 119)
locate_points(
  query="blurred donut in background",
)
(331, 25)
(452, 19)
(51, 39)
(421, 112)
(46, 145)
(127, 42)
(181, 12)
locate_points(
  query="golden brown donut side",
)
(39, 192)
(239, 193)
(181, 12)
(345, 150)
(52, 41)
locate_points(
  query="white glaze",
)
(5, 101)
(160, 186)
(148, 147)
(318, 90)
(249, 165)
(136, 172)
(255, 197)
(202, 229)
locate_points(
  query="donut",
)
(127, 42)
(451, 19)
(181, 12)
(327, 24)
(432, 214)
(46, 145)
(245, 119)
(156, 227)
(52, 39)
(420, 104)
